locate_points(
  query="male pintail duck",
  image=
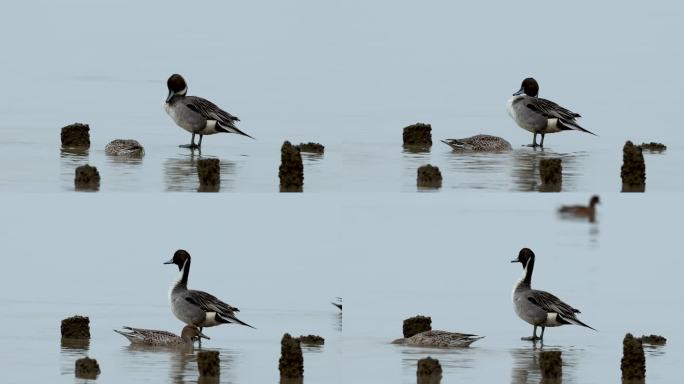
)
(581, 211)
(539, 308)
(153, 337)
(440, 339)
(197, 308)
(479, 143)
(539, 115)
(195, 114)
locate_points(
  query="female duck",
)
(153, 337)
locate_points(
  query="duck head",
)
(177, 86)
(594, 200)
(529, 87)
(179, 258)
(524, 256)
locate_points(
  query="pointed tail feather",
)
(577, 322)
(233, 320)
(571, 125)
(231, 129)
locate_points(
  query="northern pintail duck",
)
(153, 337)
(440, 339)
(539, 308)
(197, 308)
(582, 211)
(479, 143)
(195, 114)
(125, 148)
(539, 115)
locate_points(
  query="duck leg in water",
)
(534, 336)
(534, 141)
(192, 144)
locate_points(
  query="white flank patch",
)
(552, 126)
(552, 320)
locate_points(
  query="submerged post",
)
(551, 364)
(551, 174)
(291, 171)
(633, 363)
(429, 177)
(418, 135)
(208, 364)
(76, 327)
(416, 324)
(209, 174)
(87, 178)
(76, 136)
(633, 171)
(86, 368)
(291, 363)
(429, 371)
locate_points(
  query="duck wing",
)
(211, 111)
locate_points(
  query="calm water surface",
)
(283, 259)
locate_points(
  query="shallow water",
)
(283, 259)
(367, 78)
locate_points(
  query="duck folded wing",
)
(550, 109)
(551, 303)
(210, 110)
(209, 303)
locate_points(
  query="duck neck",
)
(183, 276)
(526, 280)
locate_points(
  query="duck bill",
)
(520, 92)
(169, 262)
(515, 261)
(170, 96)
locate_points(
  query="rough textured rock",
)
(125, 148)
(429, 371)
(291, 172)
(87, 368)
(76, 135)
(316, 148)
(209, 173)
(633, 364)
(551, 364)
(653, 147)
(76, 327)
(418, 134)
(416, 324)
(551, 174)
(633, 172)
(208, 363)
(311, 340)
(653, 340)
(291, 363)
(87, 178)
(429, 177)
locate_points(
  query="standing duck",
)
(539, 308)
(195, 114)
(539, 115)
(197, 308)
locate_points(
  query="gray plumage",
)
(195, 114)
(539, 308)
(197, 308)
(540, 116)
(479, 143)
(161, 338)
(439, 339)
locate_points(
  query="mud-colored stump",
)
(429, 371)
(209, 173)
(291, 363)
(87, 178)
(653, 147)
(76, 136)
(418, 135)
(633, 364)
(291, 171)
(656, 340)
(551, 364)
(311, 340)
(125, 148)
(76, 327)
(416, 324)
(315, 148)
(208, 364)
(87, 368)
(551, 175)
(429, 177)
(633, 172)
